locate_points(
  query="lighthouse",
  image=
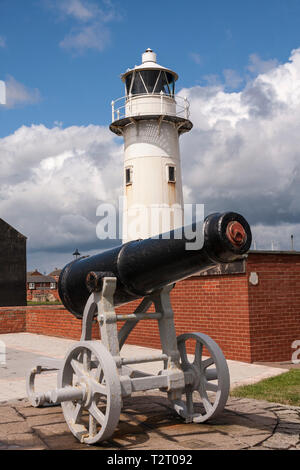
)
(150, 118)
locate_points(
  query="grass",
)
(284, 389)
(54, 302)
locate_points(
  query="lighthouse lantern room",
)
(150, 117)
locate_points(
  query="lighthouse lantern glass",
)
(150, 82)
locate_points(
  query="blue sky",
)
(76, 86)
(238, 64)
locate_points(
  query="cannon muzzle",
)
(144, 266)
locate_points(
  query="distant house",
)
(12, 266)
(41, 287)
(55, 274)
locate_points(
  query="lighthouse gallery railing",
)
(127, 106)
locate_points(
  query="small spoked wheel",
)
(91, 368)
(207, 379)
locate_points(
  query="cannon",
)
(94, 377)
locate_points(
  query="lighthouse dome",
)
(149, 77)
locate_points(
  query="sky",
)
(239, 66)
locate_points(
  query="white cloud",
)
(93, 36)
(243, 153)
(18, 94)
(90, 19)
(52, 180)
(212, 80)
(77, 9)
(258, 65)
(232, 78)
(46, 261)
(276, 237)
(196, 58)
(2, 42)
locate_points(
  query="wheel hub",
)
(194, 370)
(84, 385)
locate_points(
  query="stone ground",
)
(148, 422)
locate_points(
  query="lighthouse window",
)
(128, 83)
(128, 175)
(165, 84)
(137, 86)
(150, 78)
(162, 84)
(171, 82)
(171, 174)
(150, 81)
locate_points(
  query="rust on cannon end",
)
(236, 233)
(94, 281)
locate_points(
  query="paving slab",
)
(148, 420)
(244, 424)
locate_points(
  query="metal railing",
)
(129, 106)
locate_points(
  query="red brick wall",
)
(12, 319)
(54, 320)
(215, 305)
(274, 305)
(250, 323)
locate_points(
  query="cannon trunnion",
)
(93, 377)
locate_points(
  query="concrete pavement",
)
(23, 348)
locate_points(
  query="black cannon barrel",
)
(143, 266)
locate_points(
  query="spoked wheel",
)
(91, 368)
(207, 379)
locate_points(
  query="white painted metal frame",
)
(93, 377)
(121, 110)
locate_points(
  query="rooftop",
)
(39, 278)
(56, 272)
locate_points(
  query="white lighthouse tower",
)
(151, 118)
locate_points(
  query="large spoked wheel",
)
(207, 379)
(91, 368)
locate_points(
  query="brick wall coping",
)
(32, 308)
(271, 252)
